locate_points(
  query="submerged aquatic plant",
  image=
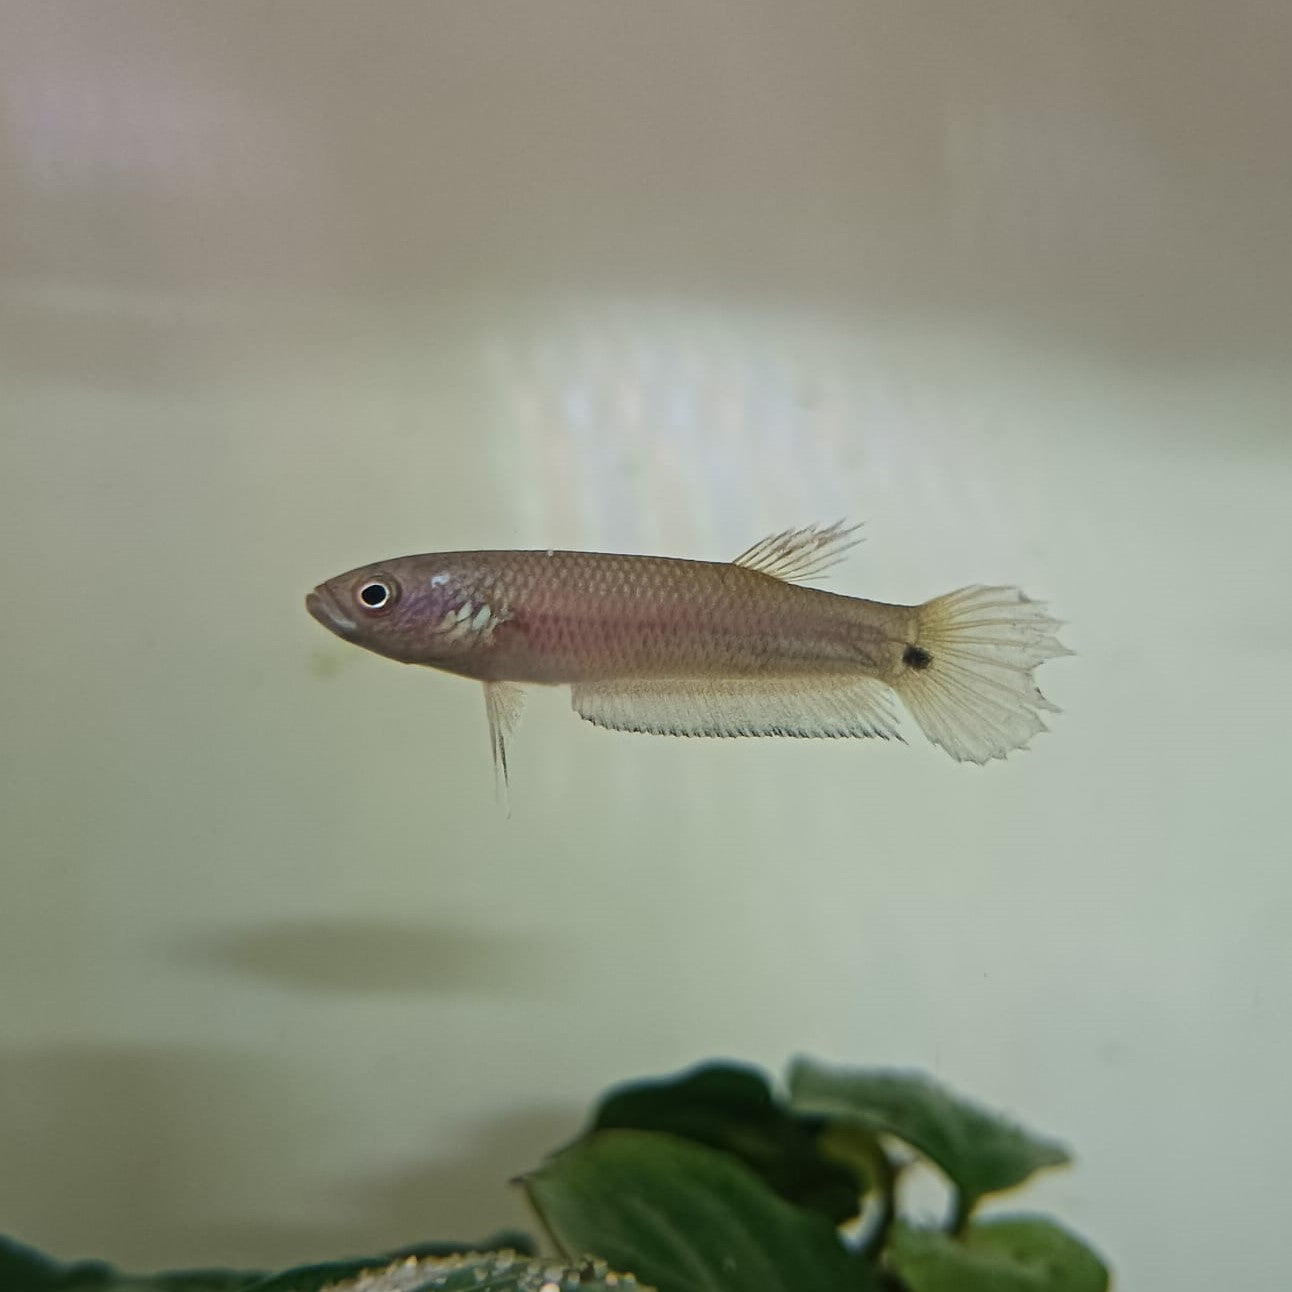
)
(712, 1180)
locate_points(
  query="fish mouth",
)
(324, 607)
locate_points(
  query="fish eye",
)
(378, 594)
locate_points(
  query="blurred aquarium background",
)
(288, 288)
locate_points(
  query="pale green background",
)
(290, 287)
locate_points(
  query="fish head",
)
(398, 608)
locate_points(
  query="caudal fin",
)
(967, 677)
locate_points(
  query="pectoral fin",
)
(503, 704)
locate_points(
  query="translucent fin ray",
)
(796, 555)
(970, 683)
(503, 704)
(809, 706)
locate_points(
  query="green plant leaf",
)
(683, 1217)
(308, 1278)
(481, 1272)
(730, 1107)
(22, 1269)
(182, 1281)
(1007, 1254)
(979, 1151)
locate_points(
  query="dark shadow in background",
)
(152, 1158)
(384, 957)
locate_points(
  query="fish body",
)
(706, 648)
(574, 617)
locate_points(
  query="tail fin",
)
(967, 678)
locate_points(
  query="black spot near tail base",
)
(916, 657)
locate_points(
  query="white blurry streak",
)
(138, 105)
(1050, 166)
(651, 426)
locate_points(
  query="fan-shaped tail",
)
(967, 678)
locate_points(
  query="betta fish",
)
(708, 648)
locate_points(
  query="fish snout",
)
(323, 605)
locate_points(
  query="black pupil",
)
(374, 595)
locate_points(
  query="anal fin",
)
(807, 706)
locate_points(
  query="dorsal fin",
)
(795, 555)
